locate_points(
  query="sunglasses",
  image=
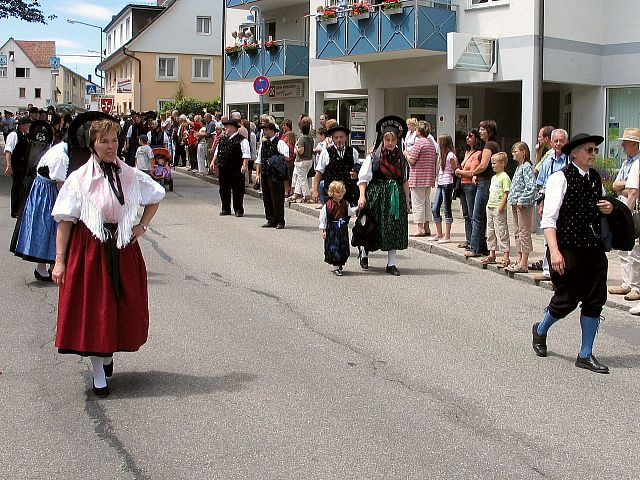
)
(591, 150)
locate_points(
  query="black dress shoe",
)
(280, 226)
(539, 341)
(392, 270)
(364, 263)
(239, 214)
(108, 369)
(224, 212)
(42, 278)
(269, 225)
(591, 363)
(101, 392)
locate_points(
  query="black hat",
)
(580, 139)
(338, 128)
(233, 122)
(41, 131)
(269, 125)
(34, 110)
(7, 112)
(79, 137)
(24, 119)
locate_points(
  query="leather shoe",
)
(539, 341)
(269, 225)
(364, 263)
(392, 270)
(101, 392)
(591, 363)
(108, 369)
(42, 278)
(224, 213)
(239, 214)
(279, 226)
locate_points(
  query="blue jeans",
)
(323, 199)
(479, 218)
(443, 196)
(467, 200)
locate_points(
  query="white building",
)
(25, 75)
(522, 63)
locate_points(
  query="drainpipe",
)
(223, 84)
(540, 60)
(139, 101)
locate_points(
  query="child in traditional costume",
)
(334, 223)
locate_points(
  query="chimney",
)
(89, 78)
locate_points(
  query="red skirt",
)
(92, 320)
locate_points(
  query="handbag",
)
(457, 188)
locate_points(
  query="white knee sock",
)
(363, 253)
(41, 268)
(391, 258)
(99, 378)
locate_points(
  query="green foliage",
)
(607, 169)
(26, 10)
(192, 105)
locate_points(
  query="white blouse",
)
(57, 160)
(351, 211)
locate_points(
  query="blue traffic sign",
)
(54, 62)
(91, 88)
(261, 85)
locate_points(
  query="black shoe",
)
(392, 270)
(108, 369)
(539, 341)
(101, 392)
(42, 278)
(364, 263)
(591, 363)
(239, 214)
(337, 272)
(280, 226)
(224, 212)
(269, 225)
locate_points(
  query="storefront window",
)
(623, 111)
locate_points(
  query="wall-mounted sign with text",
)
(286, 90)
(124, 86)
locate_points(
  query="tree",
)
(26, 10)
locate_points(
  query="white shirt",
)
(11, 142)
(435, 143)
(555, 190)
(283, 149)
(57, 160)
(244, 145)
(409, 139)
(351, 211)
(323, 159)
(633, 180)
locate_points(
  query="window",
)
(38, 93)
(108, 43)
(22, 92)
(121, 34)
(161, 102)
(128, 27)
(487, 3)
(202, 69)
(23, 72)
(203, 25)
(74, 81)
(3, 72)
(167, 68)
(271, 30)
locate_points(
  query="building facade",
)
(25, 75)
(523, 63)
(71, 89)
(143, 69)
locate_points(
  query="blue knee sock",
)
(589, 328)
(546, 323)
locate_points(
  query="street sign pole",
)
(261, 86)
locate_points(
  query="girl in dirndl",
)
(103, 306)
(334, 223)
(384, 188)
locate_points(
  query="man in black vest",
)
(16, 155)
(571, 222)
(337, 163)
(232, 155)
(137, 128)
(271, 179)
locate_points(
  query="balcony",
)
(418, 28)
(286, 60)
(263, 4)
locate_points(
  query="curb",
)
(428, 247)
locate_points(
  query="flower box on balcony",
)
(233, 50)
(250, 48)
(361, 10)
(271, 46)
(329, 15)
(392, 7)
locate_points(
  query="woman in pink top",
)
(422, 176)
(447, 165)
(468, 194)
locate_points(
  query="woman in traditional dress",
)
(103, 305)
(36, 237)
(384, 189)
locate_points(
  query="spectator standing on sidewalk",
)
(497, 227)
(626, 185)
(544, 142)
(474, 148)
(447, 164)
(422, 178)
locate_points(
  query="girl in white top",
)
(448, 163)
(410, 137)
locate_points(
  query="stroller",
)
(162, 169)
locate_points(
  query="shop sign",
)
(286, 90)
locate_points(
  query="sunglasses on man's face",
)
(591, 150)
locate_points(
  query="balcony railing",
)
(418, 27)
(286, 59)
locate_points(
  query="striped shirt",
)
(423, 173)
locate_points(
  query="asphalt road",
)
(262, 365)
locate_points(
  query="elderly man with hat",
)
(571, 221)
(269, 169)
(16, 154)
(626, 185)
(629, 261)
(231, 156)
(337, 163)
(8, 124)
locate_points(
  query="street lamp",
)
(255, 14)
(101, 31)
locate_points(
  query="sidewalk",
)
(452, 252)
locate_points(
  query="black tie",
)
(110, 170)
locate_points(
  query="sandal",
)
(504, 263)
(536, 265)
(519, 269)
(471, 254)
(488, 260)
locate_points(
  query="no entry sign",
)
(261, 85)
